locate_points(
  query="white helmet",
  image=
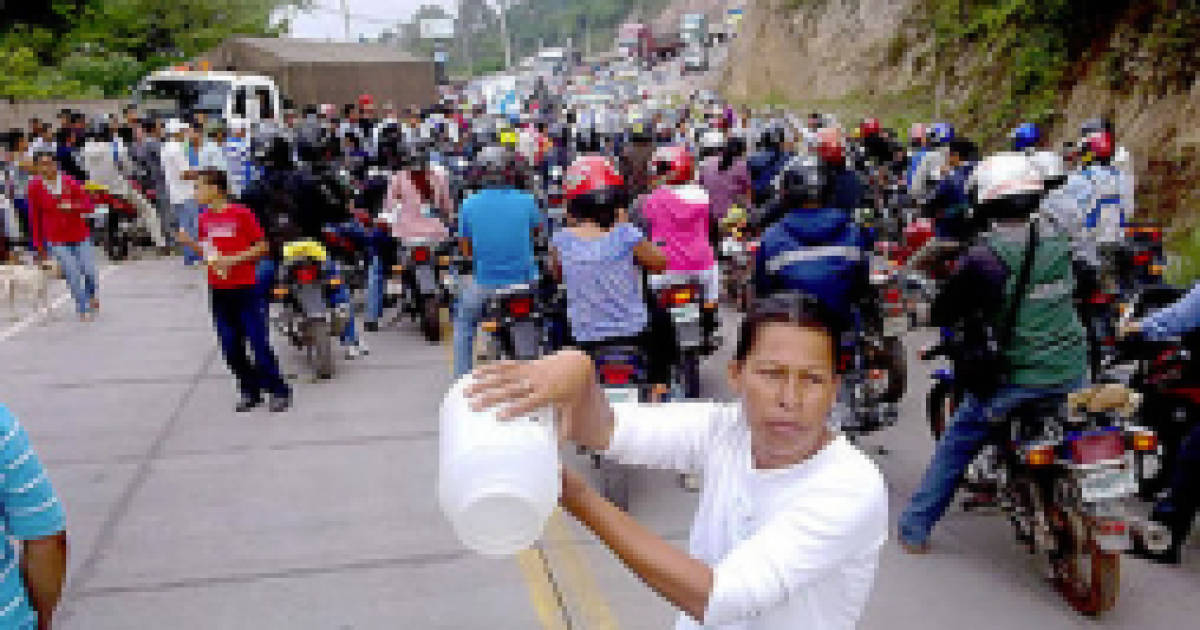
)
(1005, 175)
(712, 140)
(1051, 165)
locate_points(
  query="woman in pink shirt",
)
(679, 215)
(421, 196)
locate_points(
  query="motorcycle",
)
(114, 221)
(1064, 481)
(422, 279)
(693, 323)
(737, 267)
(306, 318)
(623, 372)
(512, 323)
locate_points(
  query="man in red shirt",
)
(231, 241)
(57, 205)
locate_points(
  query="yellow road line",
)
(578, 581)
(541, 591)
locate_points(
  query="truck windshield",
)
(188, 96)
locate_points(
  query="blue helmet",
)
(1026, 135)
(941, 134)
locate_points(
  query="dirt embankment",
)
(876, 57)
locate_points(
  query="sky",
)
(367, 17)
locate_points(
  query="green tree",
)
(88, 48)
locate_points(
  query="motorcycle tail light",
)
(616, 373)
(335, 282)
(1100, 297)
(1097, 446)
(1039, 455)
(555, 200)
(1141, 259)
(1145, 441)
(1156, 270)
(753, 246)
(421, 254)
(397, 269)
(520, 306)
(1108, 342)
(306, 274)
(279, 292)
(891, 295)
(489, 325)
(1110, 527)
(678, 296)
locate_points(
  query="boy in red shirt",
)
(232, 244)
(57, 205)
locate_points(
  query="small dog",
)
(27, 284)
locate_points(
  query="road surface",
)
(183, 514)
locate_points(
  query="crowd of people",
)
(553, 198)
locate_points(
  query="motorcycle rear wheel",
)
(431, 320)
(321, 352)
(1088, 577)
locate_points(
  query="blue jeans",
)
(963, 439)
(78, 263)
(375, 287)
(237, 316)
(468, 310)
(188, 215)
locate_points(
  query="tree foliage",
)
(99, 48)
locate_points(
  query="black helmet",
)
(804, 179)
(771, 138)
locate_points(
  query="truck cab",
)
(226, 96)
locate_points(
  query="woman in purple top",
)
(726, 178)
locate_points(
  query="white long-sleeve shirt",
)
(790, 548)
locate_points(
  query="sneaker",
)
(354, 351)
(280, 403)
(247, 403)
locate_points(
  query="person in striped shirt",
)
(31, 581)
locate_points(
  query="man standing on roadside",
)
(232, 242)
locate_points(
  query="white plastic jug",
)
(498, 481)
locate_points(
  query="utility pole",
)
(465, 23)
(346, 18)
(504, 35)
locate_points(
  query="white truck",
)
(225, 96)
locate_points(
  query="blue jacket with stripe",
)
(821, 252)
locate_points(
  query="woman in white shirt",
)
(791, 516)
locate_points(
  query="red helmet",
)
(916, 133)
(917, 233)
(869, 127)
(1098, 145)
(365, 99)
(673, 165)
(589, 174)
(831, 147)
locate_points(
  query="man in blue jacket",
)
(765, 164)
(814, 248)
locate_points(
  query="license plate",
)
(689, 313)
(730, 247)
(1107, 484)
(621, 394)
(395, 287)
(894, 326)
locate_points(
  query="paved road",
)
(184, 513)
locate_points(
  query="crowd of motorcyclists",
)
(622, 240)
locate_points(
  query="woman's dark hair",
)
(215, 177)
(598, 206)
(788, 307)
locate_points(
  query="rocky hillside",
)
(994, 63)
